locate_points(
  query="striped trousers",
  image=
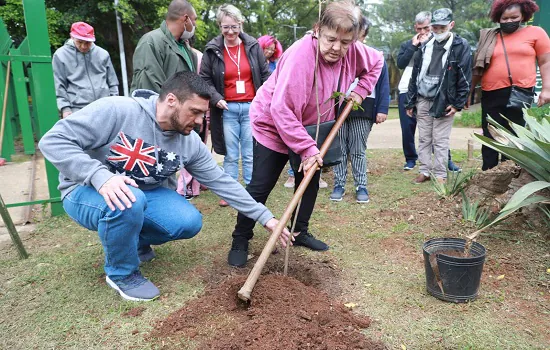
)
(353, 138)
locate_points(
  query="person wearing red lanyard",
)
(234, 66)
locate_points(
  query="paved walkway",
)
(388, 135)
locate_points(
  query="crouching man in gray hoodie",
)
(117, 158)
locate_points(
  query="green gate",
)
(31, 105)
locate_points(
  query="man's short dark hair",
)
(178, 8)
(184, 85)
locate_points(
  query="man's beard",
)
(176, 124)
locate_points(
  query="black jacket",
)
(213, 71)
(454, 86)
(406, 52)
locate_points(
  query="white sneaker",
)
(322, 183)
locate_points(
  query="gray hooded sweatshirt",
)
(120, 135)
(81, 78)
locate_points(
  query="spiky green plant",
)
(471, 212)
(530, 149)
(455, 183)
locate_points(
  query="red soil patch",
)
(134, 312)
(284, 314)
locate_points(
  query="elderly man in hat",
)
(82, 71)
(439, 87)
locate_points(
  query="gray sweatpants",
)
(434, 132)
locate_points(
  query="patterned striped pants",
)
(353, 138)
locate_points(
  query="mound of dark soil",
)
(284, 314)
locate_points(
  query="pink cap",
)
(82, 31)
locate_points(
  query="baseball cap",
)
(83, 31)
(442, 17)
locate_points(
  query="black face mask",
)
(509, 27)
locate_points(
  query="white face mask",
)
(441, 36)
(187, 35)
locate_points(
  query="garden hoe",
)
(246, 290)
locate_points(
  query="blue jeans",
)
(237, 133)
(157, 216)
(408, 128)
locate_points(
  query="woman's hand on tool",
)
(285, 234)
(356, 97)
(310, 162)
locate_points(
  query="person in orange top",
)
(525, 46)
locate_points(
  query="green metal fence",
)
(31, 109)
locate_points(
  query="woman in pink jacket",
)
(287, 102)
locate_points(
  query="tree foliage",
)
(140, 16)
(392, 18)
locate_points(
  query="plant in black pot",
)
(453, 265)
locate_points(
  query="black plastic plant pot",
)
(449, 275)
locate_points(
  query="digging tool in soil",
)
(246, 290)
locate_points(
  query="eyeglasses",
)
(233, 28)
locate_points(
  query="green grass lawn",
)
(58, 297)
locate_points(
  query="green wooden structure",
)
(31, 108)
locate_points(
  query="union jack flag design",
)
(136, 158)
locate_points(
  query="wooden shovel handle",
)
(244, 292)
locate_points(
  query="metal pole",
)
(124, 73)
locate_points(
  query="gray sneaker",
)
(362, 195)
(135, 287)
(337, 194)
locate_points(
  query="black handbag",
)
(519, 97)
(334, 152)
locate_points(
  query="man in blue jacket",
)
(355, 131)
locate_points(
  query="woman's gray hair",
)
(422, 17)
(229, 11)
(341, 16)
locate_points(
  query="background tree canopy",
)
(393, 20)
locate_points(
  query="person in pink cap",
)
(83, 72)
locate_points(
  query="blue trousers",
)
(408, 128)
(237, 133)
(158, 216)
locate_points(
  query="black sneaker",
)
(306, 239)
(146, 254)
(238, 255)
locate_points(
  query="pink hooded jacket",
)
(286, 102)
